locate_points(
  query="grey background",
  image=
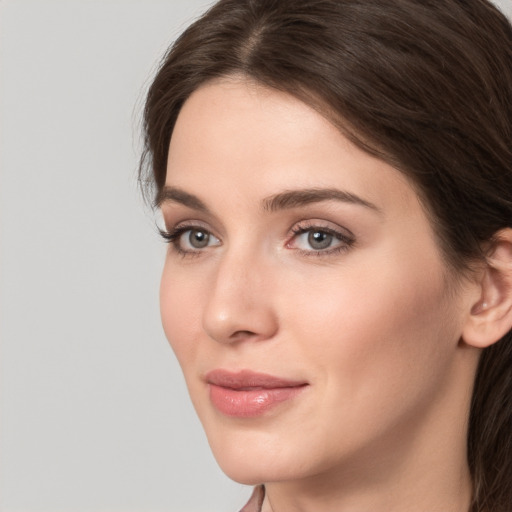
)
(94, 413)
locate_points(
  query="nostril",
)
(239, 335)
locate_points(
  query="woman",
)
(335, 179)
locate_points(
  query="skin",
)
(372, 323)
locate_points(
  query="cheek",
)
(376, 333)
(179, 310)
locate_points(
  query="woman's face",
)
(303, 291)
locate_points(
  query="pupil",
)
(319, 239)
(198, 239)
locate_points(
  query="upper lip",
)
(247, 379)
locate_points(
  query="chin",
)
(252, 457)
(252, 472)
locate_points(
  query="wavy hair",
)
(425, 85)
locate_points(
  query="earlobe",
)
(490, 317)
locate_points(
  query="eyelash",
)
(172, 237)
(307, 227)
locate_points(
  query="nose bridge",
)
(239, 304)
(236, 268)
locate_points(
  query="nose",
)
(239, 302)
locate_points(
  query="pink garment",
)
(256, 500)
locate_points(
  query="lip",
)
(247, 394)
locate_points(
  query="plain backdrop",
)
(94, 413)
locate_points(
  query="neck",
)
(405, 490)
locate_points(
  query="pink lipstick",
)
(247, 394)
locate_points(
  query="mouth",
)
(247, 394)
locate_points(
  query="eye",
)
(190, 239)
(195, 239)
(315, 239)
(319, 239)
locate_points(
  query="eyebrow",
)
(177, 195)
(286, 200)
(295, 198)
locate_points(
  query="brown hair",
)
(426, 85)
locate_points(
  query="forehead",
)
(251, 139)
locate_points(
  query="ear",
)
(490, 317)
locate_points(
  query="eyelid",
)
(187, 224)
(173, 235)
(321, 225)
(344, 235)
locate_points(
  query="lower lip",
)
(250, 403)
